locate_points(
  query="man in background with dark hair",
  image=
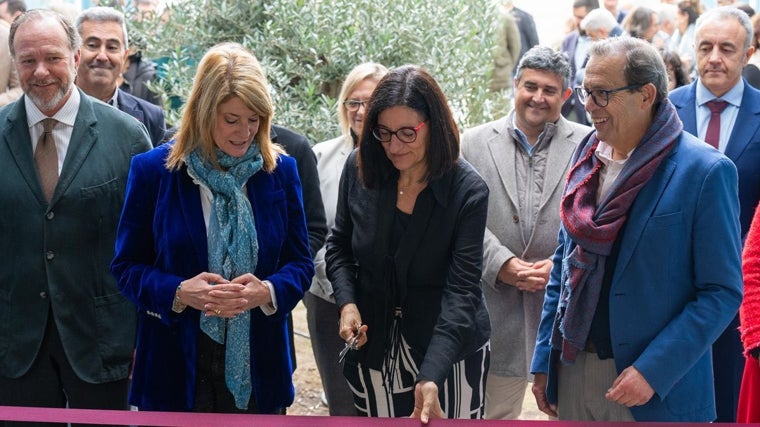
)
(104, 51)
(575, 47)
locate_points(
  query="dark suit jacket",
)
(743, 146)
(148, 114)
(573, 103)
(57, 256)
(527, 26)
(299, 148)
(434, 274)
(162, 241)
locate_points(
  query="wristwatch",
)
(177, 305)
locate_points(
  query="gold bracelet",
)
(177, 305)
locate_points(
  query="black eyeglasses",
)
(601, 97)
(407, 135)
(354, 104)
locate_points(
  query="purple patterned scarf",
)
(594, 228)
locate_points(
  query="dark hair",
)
(639, 21)
(688, 7)
(749, 10)
(588, 4)
(673, 60)
(544, 58)
(408, 86)
(643, 64)
(15, 6)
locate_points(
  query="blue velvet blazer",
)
(161, 241)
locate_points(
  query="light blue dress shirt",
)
(727, 117)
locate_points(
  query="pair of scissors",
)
(352, 344)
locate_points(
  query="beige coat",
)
(515, 314)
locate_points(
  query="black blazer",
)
(436, 268)
(299, 148)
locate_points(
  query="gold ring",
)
(218, 312)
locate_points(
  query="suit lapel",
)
(83, 138)
(746, 124)
(189, 195)
(502, 149)
(129, 106)
(641, 211)
(687, 108)
(16, 137)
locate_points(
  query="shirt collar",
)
(604, 154)
(114, 101)
(733, 96)
(67, 114)
(546, 134)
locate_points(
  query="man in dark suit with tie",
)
(66, 332)
(104, 54)
(723, 110)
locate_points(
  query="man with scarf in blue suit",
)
(637, 296)
(724, 43)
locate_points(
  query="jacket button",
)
(50, 215)
(43, 294)
(515, 219)
(49, 255)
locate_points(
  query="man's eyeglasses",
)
(601, 97)
(407, 135)
(354, 104)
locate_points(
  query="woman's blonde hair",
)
(226, 71)
(366, 71)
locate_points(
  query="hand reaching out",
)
(426, 403)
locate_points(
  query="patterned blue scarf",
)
(232, 251)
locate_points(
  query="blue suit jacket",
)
(148, 114)
(671, 296)
(161, 241)
(743, 146)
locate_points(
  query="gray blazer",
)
(515, 314)
(57, 257)
(331, 157)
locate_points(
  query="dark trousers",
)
(322, 317)
(52, 383)
(211, 392)
(728, 367)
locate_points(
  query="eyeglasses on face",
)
(601, 97)
(354, 104)
(407, 135)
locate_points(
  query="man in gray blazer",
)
(66, 332)
(523, 158)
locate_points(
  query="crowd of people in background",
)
(599, 244)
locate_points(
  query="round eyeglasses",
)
(353, 105)
(407, 135)
(601, 97)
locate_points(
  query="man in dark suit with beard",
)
(66, 333)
